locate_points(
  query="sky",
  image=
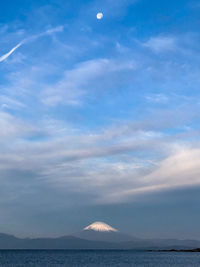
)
(99, 119)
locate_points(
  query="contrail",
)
(2, 58)
(32, 38)
(47, 32)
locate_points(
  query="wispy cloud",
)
(161, 44)
(106, 163)
(47, 32)
(76, 82)
(157, 98)
(9, 103)
(179, 170)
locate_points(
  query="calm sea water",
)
(42, 258)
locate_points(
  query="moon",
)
(99, 15)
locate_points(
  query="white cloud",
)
(178, 170)
(47, 32)
(10, 103)
(157, 98)
(75, 82)
(12, 128)
(114, 165)
(161, 44)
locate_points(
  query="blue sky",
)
(100, 118)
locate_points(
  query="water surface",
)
(76, 258)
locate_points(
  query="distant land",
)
(98, 236)
(177, 250)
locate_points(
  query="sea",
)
(79, 258)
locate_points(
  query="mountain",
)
(101, 231)
(97, 235)
(65, 242)
(71, 242)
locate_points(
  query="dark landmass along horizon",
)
(97, 235)
(73, 242)
(176, 250)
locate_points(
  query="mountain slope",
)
(103, 232)
(97, 235)
(71, 242)
(66, 242)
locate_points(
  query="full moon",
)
(99, 15)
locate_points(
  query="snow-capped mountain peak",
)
(100, 227)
